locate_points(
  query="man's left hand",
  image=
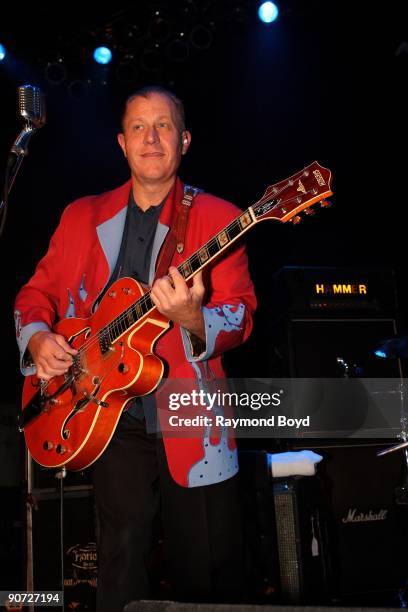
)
(180, 303)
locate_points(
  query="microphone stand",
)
(18, 152)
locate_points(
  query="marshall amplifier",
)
(368, 521)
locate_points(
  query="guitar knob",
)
(48, 445)
(296, 220)
(309, 212)
(325, 204)
(60, 449)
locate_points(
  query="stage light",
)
(2, 52)
(102, 55)
(268, 12)
(380, 354)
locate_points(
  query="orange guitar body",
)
(74, 428)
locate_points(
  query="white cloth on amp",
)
(294, 463)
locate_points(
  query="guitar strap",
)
(176, 236)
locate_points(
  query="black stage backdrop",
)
(327, 81)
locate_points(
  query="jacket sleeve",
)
(228, 313)
(36, 304)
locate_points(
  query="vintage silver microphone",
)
(30, 108)
(31, 105)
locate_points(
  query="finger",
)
(57, 364)
(160, 295)
(198, 285)
(197, 290)
(63, 358)
(47, 372)
(178, 281)
(164, 289)
(64, 344)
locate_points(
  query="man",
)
(121, 233)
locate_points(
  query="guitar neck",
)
(216, 245)
(282, 201)
(196, 262)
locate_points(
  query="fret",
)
(213, 247)
(245, 220)
(126, 320)
(131, 315)
(139, 311)
(195, 262)
(203, 255)
(144, 306)
(185, 269)
(222, 239)
(112, 332)
(233, 230)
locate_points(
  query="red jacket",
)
(79, 262)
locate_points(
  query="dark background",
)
(326, 81)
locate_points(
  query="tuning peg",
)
(310, 212)
(296, 220)
(325, 203)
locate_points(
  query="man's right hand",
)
(51, 353)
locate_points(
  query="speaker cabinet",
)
(312, 347)
(80, 559)
(11, 448)
(12, 541)
(368, 520)
(286, 534)
(301, 528)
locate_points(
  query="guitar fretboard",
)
(198, 260)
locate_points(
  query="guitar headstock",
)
(286, 199)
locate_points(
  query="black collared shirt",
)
(134, 261)
(137, 242)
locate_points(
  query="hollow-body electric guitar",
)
(70, 419)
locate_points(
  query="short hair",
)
(146, 91)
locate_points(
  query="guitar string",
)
(144, 299)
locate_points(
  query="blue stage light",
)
(102, 55)
(380, 353)
(268, 12)
(2, 52)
